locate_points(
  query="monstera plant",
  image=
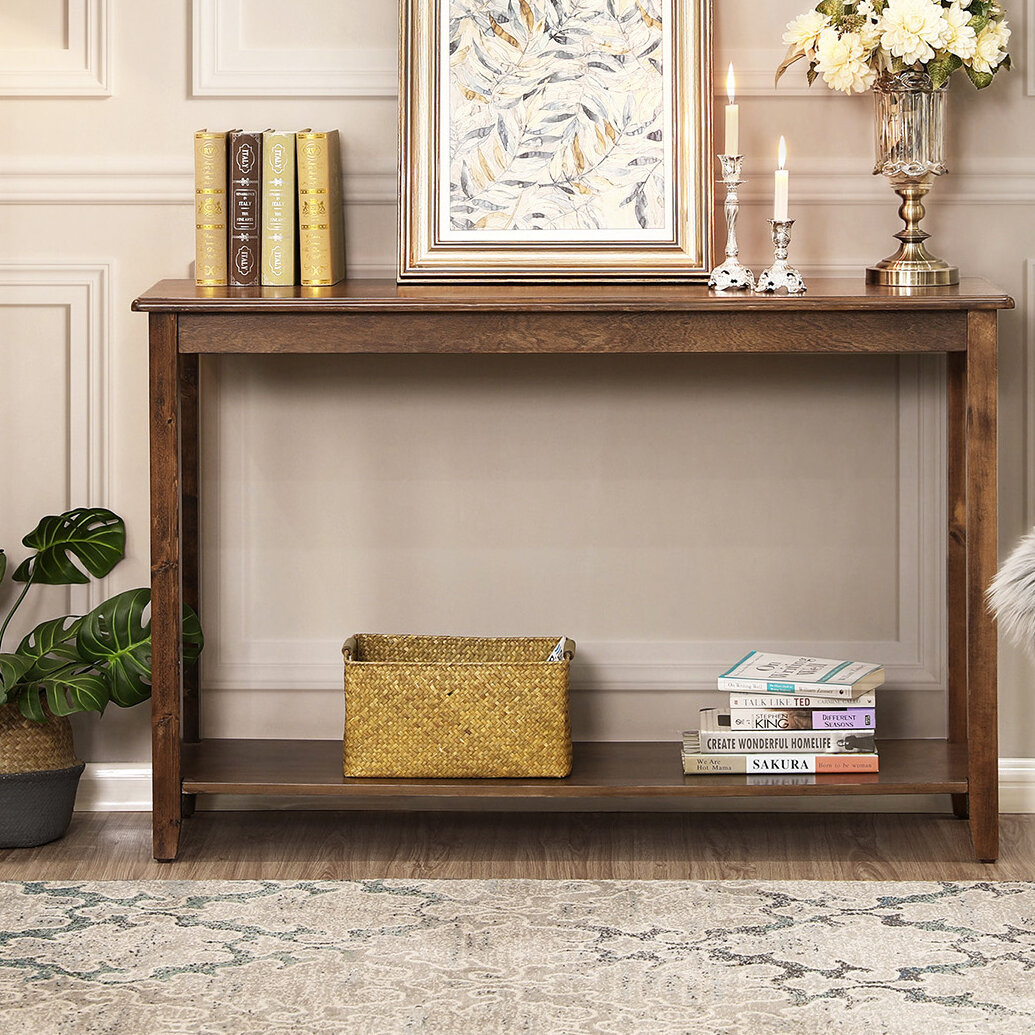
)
(75, 663)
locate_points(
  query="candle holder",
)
(731, 275)
(780, 274)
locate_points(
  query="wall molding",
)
(829, 181)
(237, 658)
(224, 67)
(1029, 32)
(84, 292)
(82, 69)
(114, 787)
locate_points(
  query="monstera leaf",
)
(74, 692)
(116, 639)
(12, 671)
(94, 536)
(50, 646)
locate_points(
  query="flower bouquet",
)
(851, 42)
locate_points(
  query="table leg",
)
(982, 662)
(956, 559)
(166, 590)
(189, 516)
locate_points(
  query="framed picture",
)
(555, 140)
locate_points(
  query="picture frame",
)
(505, 174)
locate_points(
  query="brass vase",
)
(909, 141)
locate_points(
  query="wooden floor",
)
(674, 846)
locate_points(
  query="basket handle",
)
(569, 649)
(348, 648)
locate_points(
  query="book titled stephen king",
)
(245, 208)
(788, 719)
(321, 225)
(210, 269)
(279, 207)
(762, 673)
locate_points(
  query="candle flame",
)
(782, 152)
(730, 83)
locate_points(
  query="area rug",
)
(485, 956)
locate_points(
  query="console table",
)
(367, 316)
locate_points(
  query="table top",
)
(375, 296)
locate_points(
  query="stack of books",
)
(789, 714)
(268, 209)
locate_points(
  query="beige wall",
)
(667, 513)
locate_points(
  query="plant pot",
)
(39, 775)
(909, 139)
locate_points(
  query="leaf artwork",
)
(557, 116)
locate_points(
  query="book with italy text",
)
(279, 249)
(321, 226)
(245, 208)
(762, 673)
(210, 263)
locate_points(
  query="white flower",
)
(912, 29)
(803, 32)
(990, 48)
(959, 39)
(842, 61)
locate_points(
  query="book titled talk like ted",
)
(762, 673)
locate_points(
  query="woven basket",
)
(456, 706)
(29, 747)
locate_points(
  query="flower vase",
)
(909, 142)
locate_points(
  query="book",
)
(321, 226)
(695, 762)
(791, 719)
(762, 673)
(210, 267)
(816, 742)
(279, 248)
(743, 701)
(245, 207)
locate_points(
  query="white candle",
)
(782, 183)
(732, 117)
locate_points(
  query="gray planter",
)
(37, 807)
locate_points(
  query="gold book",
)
(279, 226)
(210, 245)
(321, 227)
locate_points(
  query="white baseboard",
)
(126, 787)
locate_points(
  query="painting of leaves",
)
(557, 116)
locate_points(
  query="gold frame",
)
(423, 256)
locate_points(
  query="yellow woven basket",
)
(456, 706)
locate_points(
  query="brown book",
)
(245, 206)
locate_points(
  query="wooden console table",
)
(377, 317)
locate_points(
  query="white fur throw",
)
(1012, 594)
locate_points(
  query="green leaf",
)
(78, 692)
(979, 79)
(51, 645)
(833, 9)
(31, 706)
(811, 74)
(116, 639)
(96, 537)
(1006, 64)
(941, 69)
(13, 668)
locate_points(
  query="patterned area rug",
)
(551, 957)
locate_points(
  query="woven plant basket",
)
(30, 747)
(456, 706)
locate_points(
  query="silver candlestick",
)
(731, 274)
(780, 274)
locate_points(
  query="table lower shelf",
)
(600, 770)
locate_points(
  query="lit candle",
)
(780, 198)
(732, 117)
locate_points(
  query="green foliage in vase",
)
(80, 663)
(852, 42)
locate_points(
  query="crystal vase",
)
(909, 139)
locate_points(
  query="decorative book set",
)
(789, 714)
(268, 209)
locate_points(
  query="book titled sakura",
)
(763, 673)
